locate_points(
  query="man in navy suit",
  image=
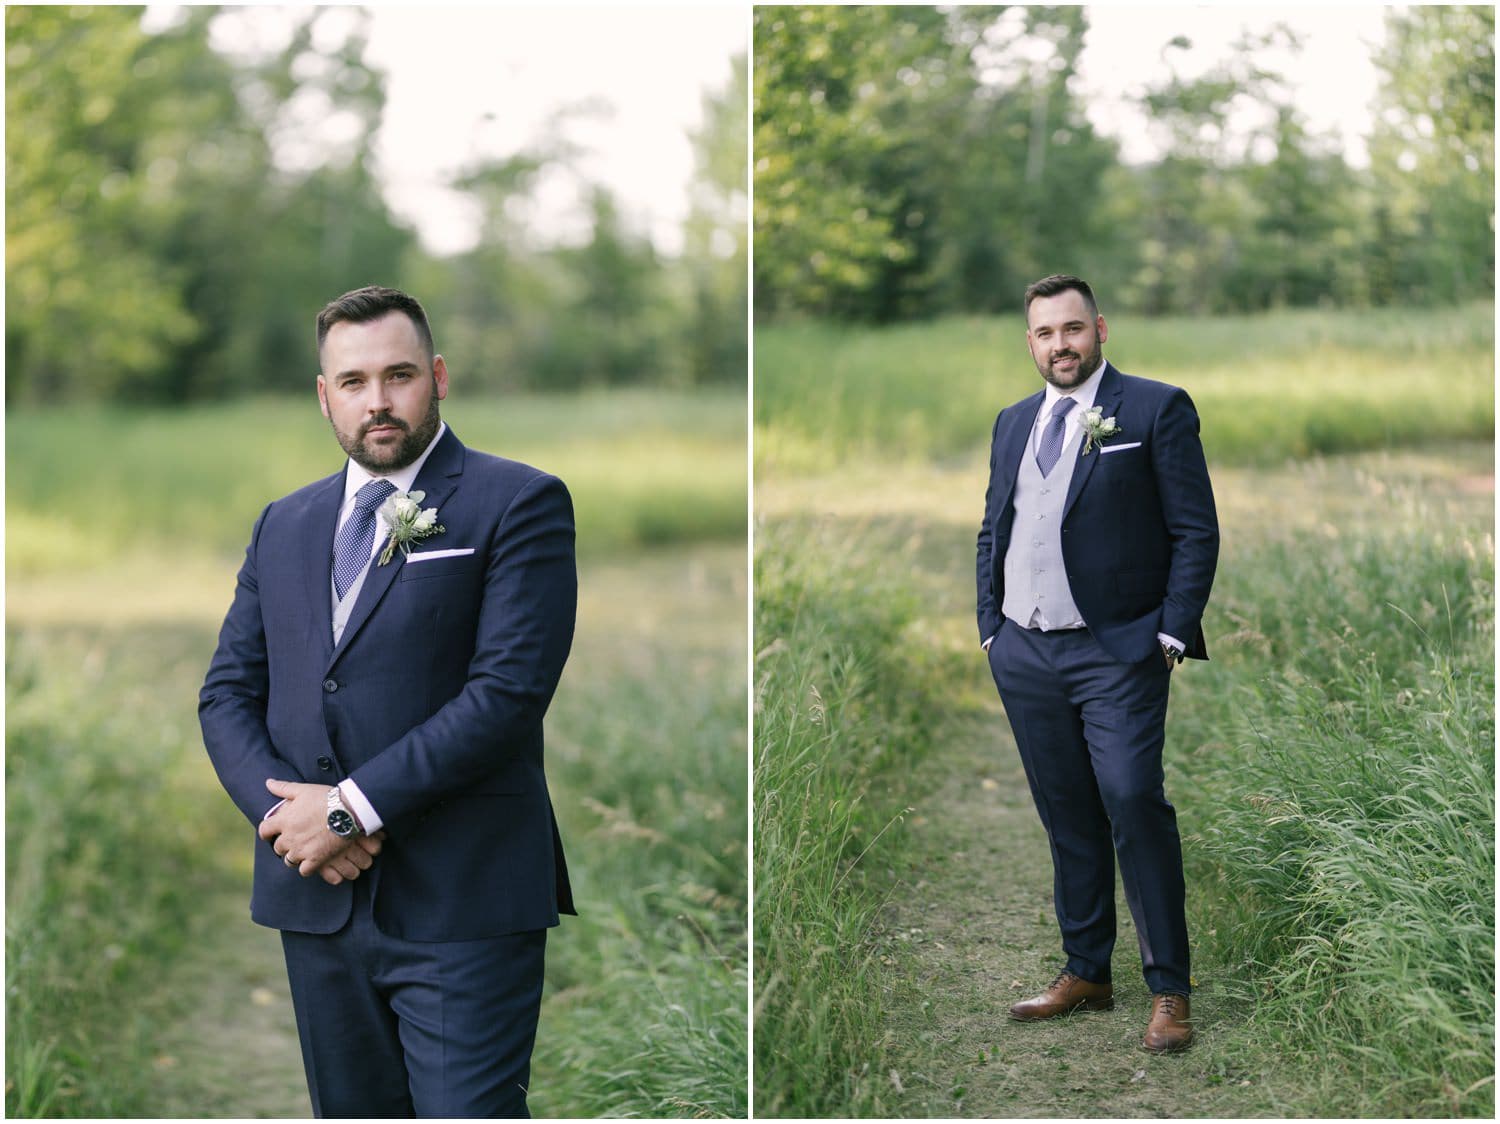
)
(1095, 561)
(375, 709)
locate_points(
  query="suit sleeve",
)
(1192, 524)
(523, 635)
(988, 607)
(232, 703)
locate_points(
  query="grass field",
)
(122, 852)
(1332, 765)
(1270, 387)
(645, 469)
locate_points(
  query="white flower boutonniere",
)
(407, 522)
(1096, 427)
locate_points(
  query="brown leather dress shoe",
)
(1171, 1027)
(1063, 996)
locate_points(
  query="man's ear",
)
(440, 376)
(1103, 329)
(323, 396)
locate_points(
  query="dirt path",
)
(975, 929)
(227, 1047)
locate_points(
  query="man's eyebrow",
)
(404, 365)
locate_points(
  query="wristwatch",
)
(341, 821)
(1172, 652)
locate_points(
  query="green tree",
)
(716, 239)
(1306, 241)
(157, 247)
(1025, 197)
(1433, 153)
(910, 160)
(614, 326)
(89, 307)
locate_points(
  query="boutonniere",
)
(408, 523)
(1096, 427)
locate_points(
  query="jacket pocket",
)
(461, 564)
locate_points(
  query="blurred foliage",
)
(176, 215)
(1433, 153)
(915, 161)
(903, 155)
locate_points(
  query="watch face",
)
(340, 822)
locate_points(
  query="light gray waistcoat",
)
(1036, 582)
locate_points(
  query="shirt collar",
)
(1083, 394)
(357, 476)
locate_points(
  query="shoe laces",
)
(1167, 1004)
(1063, 977)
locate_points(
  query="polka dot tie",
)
(1051, 444)
(356, 538)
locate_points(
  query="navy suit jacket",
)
(1140, 537)
(432, 701)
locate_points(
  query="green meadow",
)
(1332, 764)
(1280, 385)
(127, 869)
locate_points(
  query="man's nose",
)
(377, 401)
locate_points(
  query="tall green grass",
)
(1268, 387)
(843, 704)
(112, 836)
(1342, 799)
(647, 1009)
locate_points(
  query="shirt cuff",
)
(985, 643)
(273, 809)
(1172, 640)
(363, 810)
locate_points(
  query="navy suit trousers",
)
(1090, 730)
(398, 1028)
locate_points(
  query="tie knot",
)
(1064, 404)
(372, 495)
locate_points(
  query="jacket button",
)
(330, 685)
(325, 764)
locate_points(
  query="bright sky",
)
(1334, 76)
(465, 82)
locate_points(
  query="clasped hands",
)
(298, 833)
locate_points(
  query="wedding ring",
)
(288, 860)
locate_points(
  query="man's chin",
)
(1073, 377)
(382, 458)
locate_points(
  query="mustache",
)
(384, 419)
(1066, 355)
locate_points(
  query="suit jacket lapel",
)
(438, 478)
(317, 556)
(1011, 444)
(1108, 401)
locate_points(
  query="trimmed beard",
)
(1088, 363)
(413, 441)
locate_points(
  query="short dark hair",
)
(1059, 283)
(360, 306)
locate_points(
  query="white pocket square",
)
(428, 555)
(1118, 448)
